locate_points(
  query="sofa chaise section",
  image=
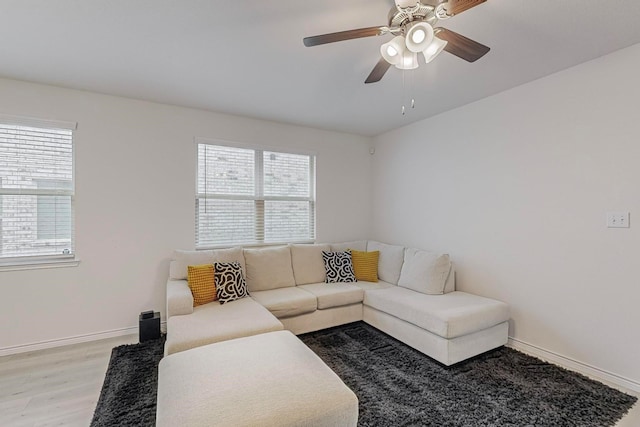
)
(215, 322)
(422, 309)
(189, 327)
(449, 328)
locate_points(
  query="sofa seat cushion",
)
(334, 294)
(450, 315)
(266, 380)
(214, 322)
(286, 302)
(369, 286)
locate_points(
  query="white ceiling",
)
(246, 57)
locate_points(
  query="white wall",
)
(515, 187)
(135, 187)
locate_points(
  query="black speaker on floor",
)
(149, 325)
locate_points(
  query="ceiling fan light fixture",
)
(419, 36)
(393, 50)
(434, 49)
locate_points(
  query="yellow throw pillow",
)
(365, 265)
(202, 283)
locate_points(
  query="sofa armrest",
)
(179, 298)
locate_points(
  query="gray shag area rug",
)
(399, 386)
(128, 396)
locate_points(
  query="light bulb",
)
(418, 36)
(393, 50)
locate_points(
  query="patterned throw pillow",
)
(202, 284)
(338, 267)
(230, 284)
(365, 265)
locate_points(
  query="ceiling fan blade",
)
(461, 46)
(456, 7)
(343, 35)
(378, 71)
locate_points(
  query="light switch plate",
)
(618, 219)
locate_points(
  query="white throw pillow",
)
(308, 266)
(268, 268)
(389, 262)
(425, 272)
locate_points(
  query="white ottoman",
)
(270, 379)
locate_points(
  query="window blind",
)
(36, 190)
(251, 196)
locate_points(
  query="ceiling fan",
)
(414, 29)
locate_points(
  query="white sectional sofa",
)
(414, 300)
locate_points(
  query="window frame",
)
(28, 262)
(258, 197)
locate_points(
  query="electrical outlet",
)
(618, 219)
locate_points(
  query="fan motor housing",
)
(400, 17)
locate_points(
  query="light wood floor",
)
(61, 386)
(55, 387)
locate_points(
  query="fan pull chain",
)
(404, 94)
(405, 97)
(411, 89)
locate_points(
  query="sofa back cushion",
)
(183, 259)
(307, 263)
(231, 255)
(269, 268)
(450, 286)
(358, 245)
(389, 262)
(425, 272)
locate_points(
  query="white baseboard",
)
(583, 368)
(7, 351)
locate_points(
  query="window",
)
(253, 196)
(36, 191)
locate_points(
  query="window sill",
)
(37, 265)
(255, 244)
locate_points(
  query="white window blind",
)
(251, 196)
(36, 190)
